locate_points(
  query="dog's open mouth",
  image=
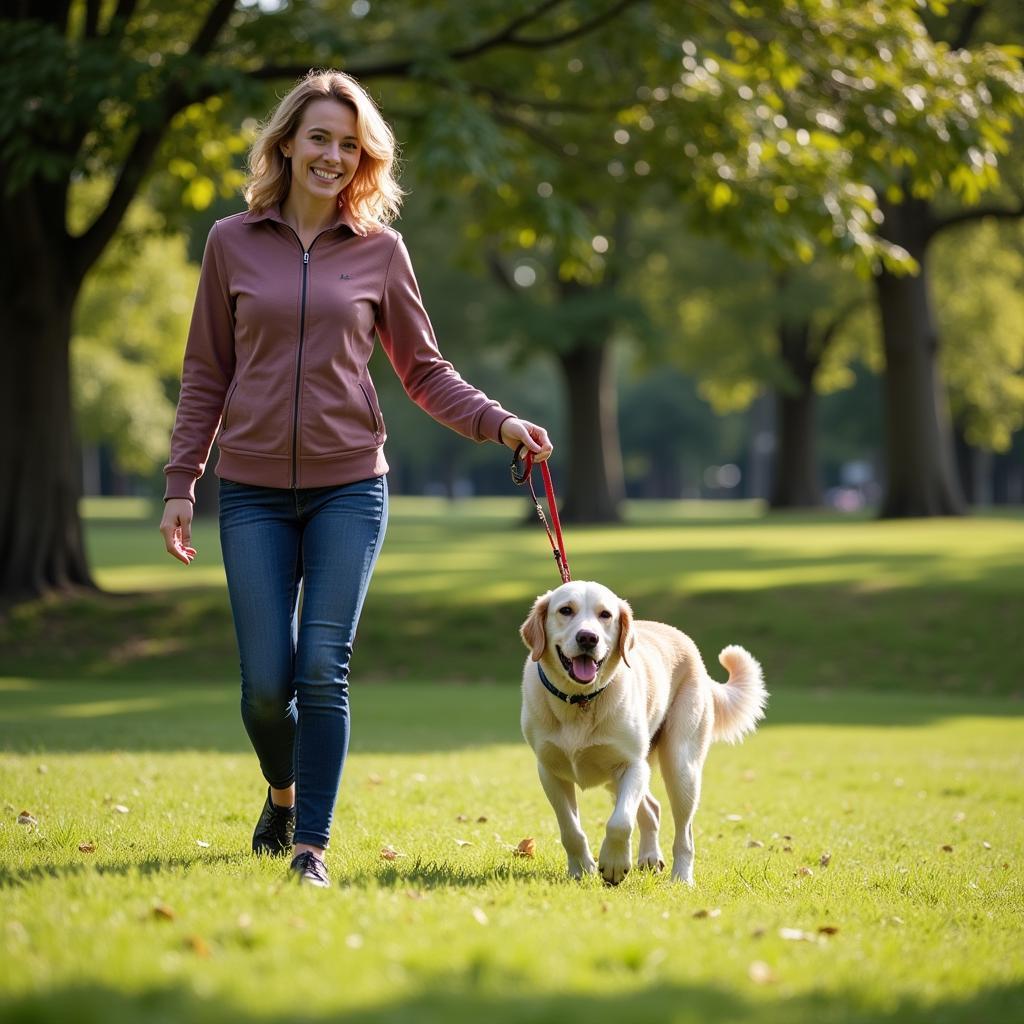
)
(582, 669)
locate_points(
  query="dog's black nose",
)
(586, 639)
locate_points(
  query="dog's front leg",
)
(562, 797)
(616, 853)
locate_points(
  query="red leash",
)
(522, 473)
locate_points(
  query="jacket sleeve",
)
(428, 378)
(208, 369)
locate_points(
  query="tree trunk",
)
(921, 477)
(795, 478)
(41, 545)
(594, 485)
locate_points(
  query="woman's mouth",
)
(325, 175)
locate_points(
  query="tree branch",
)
(504, 37)
(970, 22)
(974, 213)
(176, 95)
(544, 42)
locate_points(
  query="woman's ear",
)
(627, 638)
(533, 631)
(286, 149)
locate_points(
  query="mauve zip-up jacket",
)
(275, 365)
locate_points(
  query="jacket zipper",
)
(298, 368)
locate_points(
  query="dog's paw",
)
(614, 861)
(580, 866)
(650, 860)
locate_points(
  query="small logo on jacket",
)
(344, 277)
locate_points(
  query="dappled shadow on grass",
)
(942, 639)
(479, 994)
(41, 870)
(70, 717)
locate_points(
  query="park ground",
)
(858, 859)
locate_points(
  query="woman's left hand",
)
(516, 432)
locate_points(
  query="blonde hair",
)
(373, 197)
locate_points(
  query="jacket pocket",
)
(227, 405)
(374, 418)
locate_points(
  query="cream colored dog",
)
(601, 693)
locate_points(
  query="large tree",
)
(885, 103)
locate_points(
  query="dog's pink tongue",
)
(584, 668)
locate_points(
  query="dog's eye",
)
(606, 614)
(565, 610)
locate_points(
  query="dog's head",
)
(582, 630)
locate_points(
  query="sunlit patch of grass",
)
(164, 912)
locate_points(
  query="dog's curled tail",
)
(740, 703)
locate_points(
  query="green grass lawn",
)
(892, 752)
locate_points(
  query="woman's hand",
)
(176, 526)
(516, 432)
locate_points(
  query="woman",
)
(290, 298)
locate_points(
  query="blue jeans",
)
(295, 654)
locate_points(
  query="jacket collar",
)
(342, 218)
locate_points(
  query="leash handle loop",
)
(522, 473)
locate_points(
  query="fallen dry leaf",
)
(479, 916)
(121, 809)
(27, 818)
(244, 921)
(42, 769)
(754, 844)
(481, 819)
(526, 848)
(374, 779)
(162, 912)
(803, 872)
(828, 929)
(986, 844)
(946, 848)
(734, 817)
(198, 945)
(796, 935)
(389, 853)
(760, 973)
(86, 847)
(708, 912)
(462, 817)
(825, 859)
(463, 842)
(202, 843)
(787, 849)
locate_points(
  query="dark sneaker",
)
(309, 869)
(275, 830)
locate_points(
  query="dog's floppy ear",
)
(627, 638)
(532, 630)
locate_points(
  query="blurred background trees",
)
(721, 249)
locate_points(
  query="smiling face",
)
(580, 628)
(324, 152)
